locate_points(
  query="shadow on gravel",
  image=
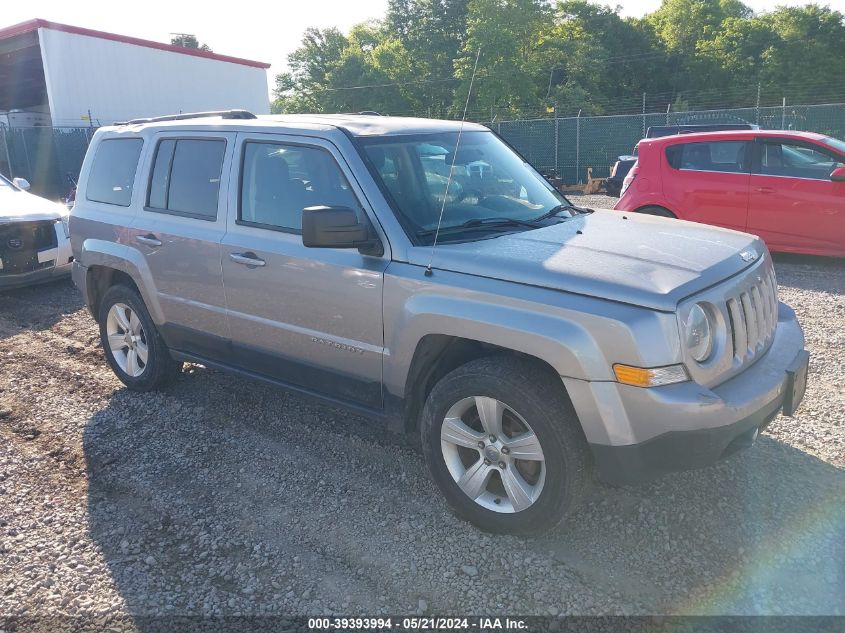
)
(213, 498)
(808, 272)
(37, 307)
(761, 533)
(223, 497)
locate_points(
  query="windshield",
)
(835, 143)
(489, 182)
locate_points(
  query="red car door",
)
(708, 182)
(794, 205)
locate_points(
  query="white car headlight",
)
(698, 334)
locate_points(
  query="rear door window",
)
(185, 178)
(113, 172)
(719, 156)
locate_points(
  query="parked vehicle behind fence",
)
(620, 169)
(34, 237)
(623, 164)
(534, 345)
(786, 187)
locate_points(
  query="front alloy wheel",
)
(504, 445)
(493, 454)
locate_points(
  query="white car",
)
(34, 244)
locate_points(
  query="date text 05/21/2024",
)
(417, 623)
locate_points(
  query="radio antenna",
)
(428, 271)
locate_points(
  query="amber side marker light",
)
(650, 377)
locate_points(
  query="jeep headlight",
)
(698, 334)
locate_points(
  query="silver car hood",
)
(642, 260)
(20, 206)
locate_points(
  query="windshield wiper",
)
(561, 207)
(483, 223)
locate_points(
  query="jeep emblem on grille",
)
(15, 243)
(747, 256)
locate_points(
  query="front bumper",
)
(56, 262)
(636, 434)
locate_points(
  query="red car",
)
(786, 187)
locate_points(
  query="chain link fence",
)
(567, 146)
(46, 156)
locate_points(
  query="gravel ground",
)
(221, 496)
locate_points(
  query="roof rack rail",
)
(369, 113)
(225, 114)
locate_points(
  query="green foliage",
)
(571, 54)
(186, 40)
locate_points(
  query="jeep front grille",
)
(753, 313)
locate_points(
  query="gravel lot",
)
(220, 496)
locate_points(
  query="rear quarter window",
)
(113, 171)
(720, 156)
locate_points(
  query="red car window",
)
(722, 156)
(796, 161)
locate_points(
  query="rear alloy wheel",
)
(133, 347)
(127, 340)
(504, 445)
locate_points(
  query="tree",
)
(305, 86)
(186, 40)
(805, 59)
(432, 32)
(573, 54)
(511, 35)
(600, 58)
(686, 26)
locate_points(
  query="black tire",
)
(660, 211)
(539, 398)
(160, 368)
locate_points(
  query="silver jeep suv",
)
(423, 273)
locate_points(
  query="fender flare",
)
(128, 260)
(567, 346)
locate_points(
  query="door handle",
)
(148, 240)
(247, 259)
(764, 190)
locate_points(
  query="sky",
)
(264, 34)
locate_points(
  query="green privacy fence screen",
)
(45, 156)
(567, 146)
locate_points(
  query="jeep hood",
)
(20, 206)
(642, 260)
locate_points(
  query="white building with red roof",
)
(66, 72)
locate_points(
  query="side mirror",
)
(21, 183)
(838, 174)
(337, 227)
